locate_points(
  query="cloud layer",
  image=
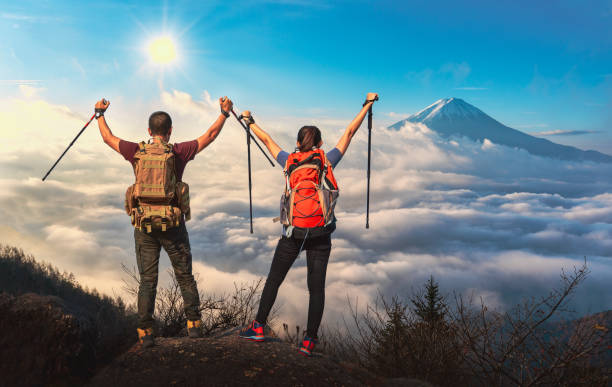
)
(482, 218)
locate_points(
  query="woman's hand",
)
(247, 117)
(352, 128)
(371, 97)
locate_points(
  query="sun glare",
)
(162, 51)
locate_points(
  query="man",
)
(158, 205)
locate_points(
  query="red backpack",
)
(311, 191)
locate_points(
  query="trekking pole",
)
(249, 136)
(73, 141)
(369, 156)
(246, 129)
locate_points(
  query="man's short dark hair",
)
(160, 123)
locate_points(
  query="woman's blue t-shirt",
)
(333, 156)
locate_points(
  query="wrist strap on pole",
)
(369, 100)
(247, 119)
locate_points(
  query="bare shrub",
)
(219, 312)
(525, 347)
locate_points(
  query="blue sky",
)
(538, 67)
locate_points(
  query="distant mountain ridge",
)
(455, 117)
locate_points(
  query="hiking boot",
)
(308, 346)
(145, 337)
(194, 329)
(254, 332)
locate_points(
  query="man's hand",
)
(108, 137)
(102, 104)
(226, 105)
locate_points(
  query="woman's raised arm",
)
(351, 129)
(260, 133)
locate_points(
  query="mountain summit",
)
(455, 117)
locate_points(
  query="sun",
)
(162, 50)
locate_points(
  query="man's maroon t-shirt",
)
(183, 152)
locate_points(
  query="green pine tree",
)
(429, 305)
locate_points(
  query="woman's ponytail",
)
(309, 137)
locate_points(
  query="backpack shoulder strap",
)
(326, 161)
(141, 147)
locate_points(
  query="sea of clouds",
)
(483, 219)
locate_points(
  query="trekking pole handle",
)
(370, 100)
(246, 128)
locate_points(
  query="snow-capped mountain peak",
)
(446, 107)
(453, 117)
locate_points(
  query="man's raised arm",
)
(214, 130)
(109, 138)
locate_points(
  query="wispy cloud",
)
(20, 81)
(30, 91)
(27, 18)
(398, 115)
(594, 104)
(565, 132)
(459, 71)
(456, 73)
(14, 16)
(522, 126)
(471, 88)
(301, 3)
(79, 67)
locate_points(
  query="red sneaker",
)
(308, 346)
(254, 332)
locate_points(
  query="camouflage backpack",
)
(157, 200)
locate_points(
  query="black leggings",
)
(317, 256)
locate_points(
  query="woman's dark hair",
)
(160, 123)
(308, 137)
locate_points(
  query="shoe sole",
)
(253, 338)
(305, 353)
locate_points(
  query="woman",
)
(315, 238)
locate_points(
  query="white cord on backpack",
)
(304, 241)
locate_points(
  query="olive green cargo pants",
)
(148, 246)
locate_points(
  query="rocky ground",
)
(227, 360)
